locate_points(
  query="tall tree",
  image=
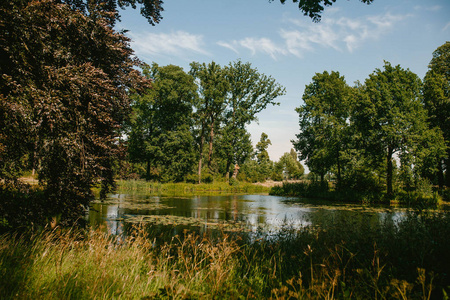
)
(64, 93)
(249, 93)
(324, 123)
(262, 157)
(392, 119)
(289, 166)
(161, 125)
(436, 94)
(213, 88)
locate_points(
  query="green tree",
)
(261, 148)
(436, 92)
(64, 93)
(213, 88)
(392, 119)
(249, 93)
(160, 130)
(265, 165)
(289, 167)
(324, 123)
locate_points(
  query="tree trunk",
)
(389, 172)
(211, 139)
(227, 173)
(338, 170)
(202, 141)
(440, 174)
(147, 176)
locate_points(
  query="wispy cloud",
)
(303, 36)
(176, 43)
(255, 45)
(429, 8)
(447, 26)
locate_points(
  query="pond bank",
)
(409, 261)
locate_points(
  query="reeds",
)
(408, 260)
(186, 189)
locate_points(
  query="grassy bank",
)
(344, 261)
(421, 198)
(171, 189)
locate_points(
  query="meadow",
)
(408, 260)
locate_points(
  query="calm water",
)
(230, 213)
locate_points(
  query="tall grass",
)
(171, 189)
(409, 260)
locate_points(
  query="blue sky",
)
(353, 38)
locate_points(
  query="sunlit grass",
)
(408, 260)
(172, 189)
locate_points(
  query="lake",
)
(231, 213)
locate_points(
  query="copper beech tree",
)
(65, 80)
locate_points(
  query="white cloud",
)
(228, 45)
(429, 8)
(447, 26)
(175, 43)
(336, 33)
(255, 45)
(264, 45)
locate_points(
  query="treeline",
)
(388, 134)
(192, 126)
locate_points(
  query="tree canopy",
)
(161, 124)
(324, 122)
(436, 92)
(64, 93)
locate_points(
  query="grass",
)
(408, 260)
(185, 189)
(420, 198)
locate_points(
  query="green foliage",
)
(324, 123)
(399, 130)
(212, 88)
(160, 129)
(249, 93)
(230, 98)
(436, 92)
(288, 167)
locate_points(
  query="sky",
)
(352, 38)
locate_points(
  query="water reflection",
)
(249, 212)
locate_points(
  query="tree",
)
(314, 8)
(436, 92)
(265, 165)
(324, 123)
(249, 93)
(391, 118)
(261, 148)
(150, 9)
(213, 88)
(160, 130)
(289, 166)
(64, 93)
